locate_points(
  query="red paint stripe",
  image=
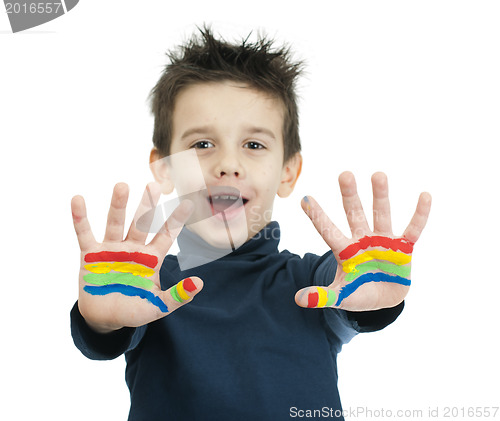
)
(312, 299)
(189, 285)
(395, 244)
(122, 256)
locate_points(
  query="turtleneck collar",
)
(194, 251)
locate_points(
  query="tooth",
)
(225, 197)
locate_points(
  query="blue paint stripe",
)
(370, 277)
(129, 291)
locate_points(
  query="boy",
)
(243, 349)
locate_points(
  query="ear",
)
(161, 171)
(289, 175)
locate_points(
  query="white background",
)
(410, 88)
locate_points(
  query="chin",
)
(222, 234)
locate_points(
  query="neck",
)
(195, 251)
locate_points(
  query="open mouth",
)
(223, 198)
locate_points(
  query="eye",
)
(202, 144)
(254, 145)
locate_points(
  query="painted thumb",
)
(183, 292)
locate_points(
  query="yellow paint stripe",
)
(182, 293)
(133, 268)
(323, 297)
(391, 256)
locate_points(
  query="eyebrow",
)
(196, 130)
(251, 130)
(258, 130)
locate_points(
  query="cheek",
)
(269, 177)
(268, 187)
(187, 172)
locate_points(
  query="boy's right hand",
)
(119, 283)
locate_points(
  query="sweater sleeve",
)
(98, 346)
(358, 322)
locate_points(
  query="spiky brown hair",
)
(205, 58)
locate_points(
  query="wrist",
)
(100, 328)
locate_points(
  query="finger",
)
(417, 223)
(352, 205)
(316, 297)
(181, 293)
(381, 205)
(326, 228)
(82, 227)
(149, 200)
(172, 227)
(116, 214)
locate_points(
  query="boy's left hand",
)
(373, 266)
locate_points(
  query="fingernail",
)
(307, 202)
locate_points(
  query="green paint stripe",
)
(118, 278)
(332, 297)
(175, 295)
(403, 271)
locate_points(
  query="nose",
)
(228, 165)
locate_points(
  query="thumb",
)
(316, 297)
(181, 293)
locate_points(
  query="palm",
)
(119, 281)
(96, 302)
(373, 266)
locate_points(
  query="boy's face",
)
(236, 134)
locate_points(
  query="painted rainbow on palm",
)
(363, 262)
(362, 265)
(122, 272)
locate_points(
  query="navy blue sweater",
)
(242, 350)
